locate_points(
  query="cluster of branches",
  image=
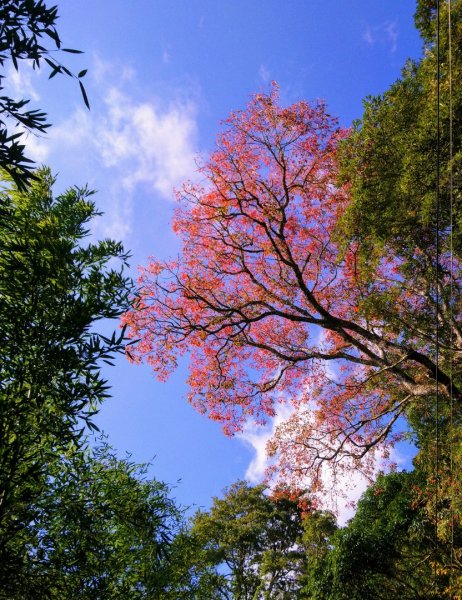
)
(273, 298)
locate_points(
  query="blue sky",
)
(162, 74)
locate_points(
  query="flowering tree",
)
(274, 305)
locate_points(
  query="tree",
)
(275, 305)
(402, 163)
(104, 530)
(25, 26)
(319, 532)
(248, 545)
(384, 550)
(53, 291)
(390, 159)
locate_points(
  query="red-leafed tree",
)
(275, 306)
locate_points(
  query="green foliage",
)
(383, 552)
(101, 530)
(391, 157)
(248, 546)
(25, 26)
(53, 290)
(320, 528)
(440, 496)
(104, 529)
(399, 178)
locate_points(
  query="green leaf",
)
(84, 95)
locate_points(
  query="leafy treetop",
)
(273, 305)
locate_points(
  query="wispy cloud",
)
(368, 36)
(385, 34)
(257, 437)
(342, 488)
(392, 32)
(126, 143)
(264, 74)
(158, 144)
(20, 82)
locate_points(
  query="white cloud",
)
(124, 142)
(386, 34)
(19, 84)
(257, 438)
(264, 74)
(165, 56)
(158, 144)
(37, 150)
(145, 142)
(119, 225)
(392, 33)
(342, 489)
(74, 132)
(368, 36)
